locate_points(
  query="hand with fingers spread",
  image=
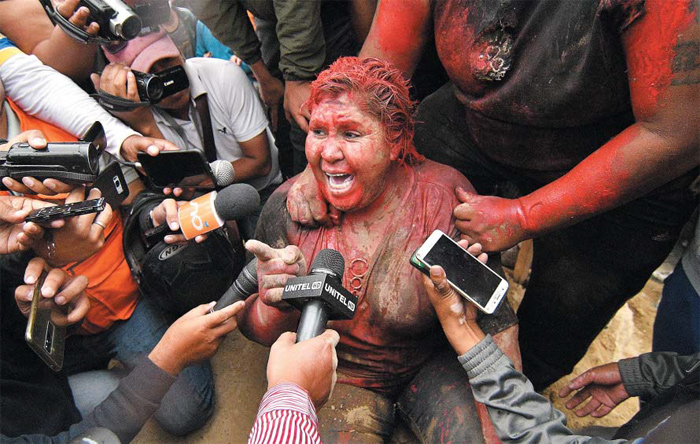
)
(310, 364)
(30, 185)
(65, 290)
(275, 267)
(80, 237)
(15, 234)
(194, 337)
(602, 384)
(456, 314)
(495, 222)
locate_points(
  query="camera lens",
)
(150, 86)
(131, 27)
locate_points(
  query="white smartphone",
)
(466, 274)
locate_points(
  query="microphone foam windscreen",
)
(223, 172)
(236, 201)
(331, 260)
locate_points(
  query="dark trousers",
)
(581, 275)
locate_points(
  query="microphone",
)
(320, 296)
(223, 172)
(210, 211)
(245, 284)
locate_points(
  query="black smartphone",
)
(469, 277)
(43, 335)
(183, 169)
(48, 214)
(112, 185)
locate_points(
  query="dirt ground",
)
(239, 368)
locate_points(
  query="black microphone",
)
(320, 296)
(245, 284)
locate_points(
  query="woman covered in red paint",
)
(393, 358)
(588, 108)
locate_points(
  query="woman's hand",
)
(275, 267)
(457, 315)
(65, 290)
(602, 384)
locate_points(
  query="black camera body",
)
(154, 87)
(71, 162)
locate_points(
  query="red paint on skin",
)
(571, 194)
(650, 48)
(397, 29)
(345, 140)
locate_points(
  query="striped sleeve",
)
(7, 49)
(286, 415)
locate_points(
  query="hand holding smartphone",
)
(43, 335)
(469, 277)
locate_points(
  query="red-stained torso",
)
(395, 329)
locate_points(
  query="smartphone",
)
(183, 169)
(466, 274)
(42, 335)
(48, 214)
(112, 185)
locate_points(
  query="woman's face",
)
(347, 153)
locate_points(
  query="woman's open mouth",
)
(339, 182)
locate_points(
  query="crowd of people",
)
(573, 124)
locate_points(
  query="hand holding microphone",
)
(206, 213)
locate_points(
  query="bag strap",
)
(202, 105)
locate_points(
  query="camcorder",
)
(118, 20)
(152, 88)
(70, 162)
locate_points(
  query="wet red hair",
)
(384, 92)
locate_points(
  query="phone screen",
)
(185, 169)
(463, 270)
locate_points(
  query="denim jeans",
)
(437, 405)
(677, 323)
(190, 401)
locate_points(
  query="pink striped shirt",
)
(286, 415)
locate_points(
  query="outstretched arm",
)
(661, 51)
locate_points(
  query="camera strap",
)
(201, 104)
(69, 28)
(50, 172)
(116, 103)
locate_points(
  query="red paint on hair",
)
(384, 94)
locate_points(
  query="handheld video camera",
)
(154, 87)
(71, 162)
(118, 21)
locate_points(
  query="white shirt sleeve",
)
(43, 92)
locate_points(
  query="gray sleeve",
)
(651, 373)
(518, 413)
(124, 412)
(228, 21)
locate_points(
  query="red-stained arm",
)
(264, 324)
(398, 33)
(662, 56)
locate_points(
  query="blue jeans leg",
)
(190, 401)
(677, 323)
